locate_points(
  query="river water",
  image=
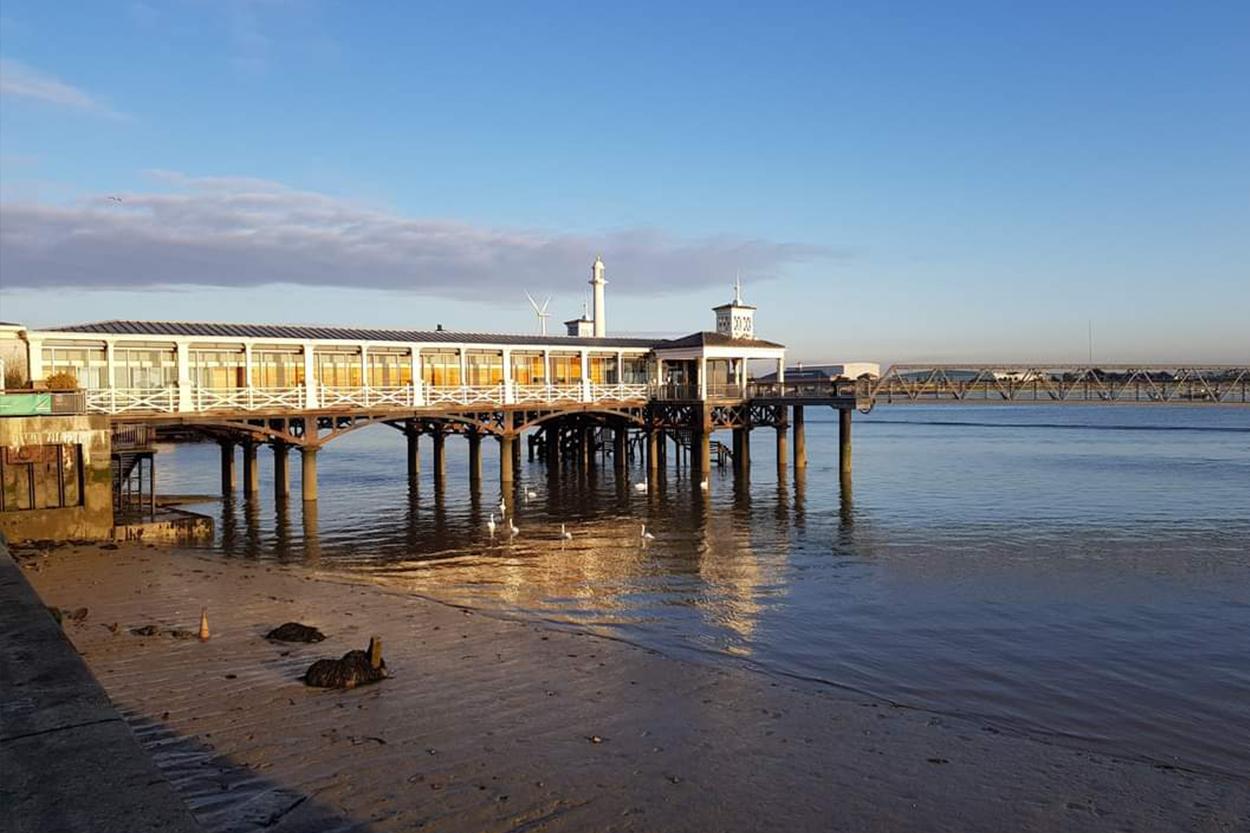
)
(1081, 573)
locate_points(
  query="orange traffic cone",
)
(203, 623)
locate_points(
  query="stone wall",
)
(29, 448)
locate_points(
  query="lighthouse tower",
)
(598, 314)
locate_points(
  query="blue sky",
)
(894, 181)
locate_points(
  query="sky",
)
(894, 181)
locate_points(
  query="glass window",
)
(144, 367)
(389, 369)
(484, 368)
(277, 368)
(440, 368)
(87, 363)
(528, 368)
(338, 369)
(603, 369)
(634, 370)
(40, 477)
(218, 369)
(566, 368)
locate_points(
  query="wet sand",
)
(494, 724)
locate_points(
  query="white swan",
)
(490, 525)
(530, 494)
(640, 487)
(644, 535)
(703, 484)
(503, 508)
(565, 534)
(513, 529)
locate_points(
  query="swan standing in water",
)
(503, 508)
(640, 486)
(490, 525)
(644, 535)
(513, 529)
(703, 484)
(565, 535)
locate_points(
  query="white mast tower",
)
(597, 281)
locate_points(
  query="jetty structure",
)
(77, 446)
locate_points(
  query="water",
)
(1080, 573)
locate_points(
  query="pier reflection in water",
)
(1038, 568)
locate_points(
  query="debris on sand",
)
(353, 669)
(295, 632)
(146, 630)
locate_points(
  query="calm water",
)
(1078, 572)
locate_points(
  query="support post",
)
(414, 452)
(844, 440)
(227, 468)
(251, 471)
(800, 439)
(782, 448)
(516, 453)
(475, 457)
(551, 436)
(653, 451)
(308, 478)
(620, 439)
(507, 442)
(440, 457)
(703, 451)
(281, 472)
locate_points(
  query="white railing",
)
(246, 399)
(547, 393)
(618, 392)
(464, 395)
(125, 400)
(398, 396)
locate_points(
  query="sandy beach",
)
(490, 723)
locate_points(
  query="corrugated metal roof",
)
(709, 339)
(305, 333)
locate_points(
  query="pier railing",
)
(128, 400)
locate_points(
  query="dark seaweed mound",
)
(295, 632)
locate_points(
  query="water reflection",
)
(1034, 578)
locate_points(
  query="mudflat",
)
(492, 723)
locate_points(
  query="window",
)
(338, 369)
(484, 368)
(566, 368)
(221, 368)
(275, 368)
(87, 363)
(528, 368)
(603, 369)
(40, 477)
(391, 369)
(440, 368)
(634, 370)
(137, 366)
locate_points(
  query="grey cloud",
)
(246, 232)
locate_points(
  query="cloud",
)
(22, 81)
(233, 232)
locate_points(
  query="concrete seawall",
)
(70, 762)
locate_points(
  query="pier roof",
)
(194, 329)
(710, 339)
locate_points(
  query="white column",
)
(186, 394)
(364, 371)
(702, 377)
(547, 370)
(508, 396)
(620, 367)
(310, 376)
(585, 376)
(464, 367)
(415, 358)
(247, 372)
(34, 359)
(781, 369)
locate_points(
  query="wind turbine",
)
(541, 312)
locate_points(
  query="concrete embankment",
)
(68, 759)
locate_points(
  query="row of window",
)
(40, 477)
(136, 367)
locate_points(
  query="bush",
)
(15, 379)
(61, 381)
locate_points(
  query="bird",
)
(565, 534)
(640, 486)
(644, 535)
(530, 494)
(703, 484)
(115, 198)
(503, 507)
(491, 524)
(513, 529)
